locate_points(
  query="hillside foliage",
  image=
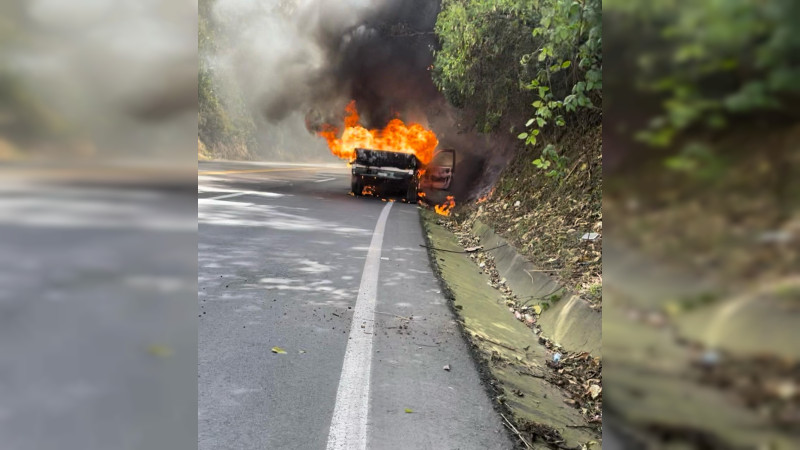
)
(535, 61)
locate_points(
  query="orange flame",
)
(368, 190)
(395, 136)
(485, 197)
(444, 208)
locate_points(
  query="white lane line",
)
(349, 423)
(219, 197)
(323, 180)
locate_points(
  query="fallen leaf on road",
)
(446, 367)
(594, 390)
(408, 411)
(162, 351)
(278, 350)
(301, 351)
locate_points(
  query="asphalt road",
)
(287, 259)
(97, 332)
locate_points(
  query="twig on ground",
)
(462, 251)
(530, 374)
(588, 427)
(395, 315)
(514, 429)
(484, 338)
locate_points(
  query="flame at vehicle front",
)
(396, 136)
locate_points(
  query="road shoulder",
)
(511, 359)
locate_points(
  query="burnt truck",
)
(402, 172)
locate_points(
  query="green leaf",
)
(528, 123)
(542, 55)
(278, 350)
(540, 121)
(409, 411)
(566, 64)
(522, 136)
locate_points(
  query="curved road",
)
(287, 259)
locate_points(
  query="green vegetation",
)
(478, 66)
(705, 63)
(25, 115)
(568, 64)
(224, 129)
(522, 58)
(705, 130)
(533, 68)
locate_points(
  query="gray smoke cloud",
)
(298, 63)
(314, 56)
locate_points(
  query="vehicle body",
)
(403, 171)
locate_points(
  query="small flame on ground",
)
(444, 208)
(485, 197)
(368, 190)
(396, 136)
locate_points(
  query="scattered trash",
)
(516, 204)
(775, 237)
(529, 319)
(590, 236)
(594, 390)
(557, 357)
(278, 350)
(446, 367)
(710, 358)
(301, 351)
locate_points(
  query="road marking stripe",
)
(324, 179)
(349, 423)
(236, 194)
(224, 172)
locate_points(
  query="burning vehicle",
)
(373, 169)
(399, 156)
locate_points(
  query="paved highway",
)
(287, 259)
(97, 327)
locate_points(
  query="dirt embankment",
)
(556, 222)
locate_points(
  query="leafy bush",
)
(707, 61)
(478, 66)
(567, 63)
(521, 58)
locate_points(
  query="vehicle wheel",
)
(411, 193)
(355, 185)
